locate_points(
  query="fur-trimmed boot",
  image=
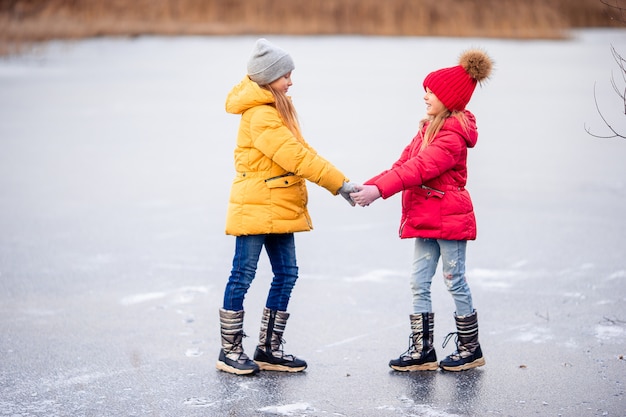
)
(269, 355)
(468, 353)
(421, 354)
(232, 359)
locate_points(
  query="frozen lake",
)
(115, 168)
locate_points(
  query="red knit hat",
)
(454, 86)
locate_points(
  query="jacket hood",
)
(245, 95)
(468, 130)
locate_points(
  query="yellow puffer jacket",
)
(268, 193)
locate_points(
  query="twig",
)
(621, 63)
(541, 316)
(614, 321)
(621, 10)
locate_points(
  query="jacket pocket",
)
(428, 192)
(283, 181)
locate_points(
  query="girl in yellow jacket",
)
(267, 204)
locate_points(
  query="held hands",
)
(346, 189)
(365, 195)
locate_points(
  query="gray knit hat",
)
(268, 63)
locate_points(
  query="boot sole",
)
(264, 366)
(231, 370)
(465, 366)
(430, 366)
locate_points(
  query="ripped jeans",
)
(425, 259)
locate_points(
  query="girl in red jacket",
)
(437, 211)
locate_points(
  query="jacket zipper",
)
(402, 227)
(280, 176)
(433, 189)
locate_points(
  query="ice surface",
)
(115, 168)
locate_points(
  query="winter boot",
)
(421, 354)
(468, 353)
(232, 358)
(269, 356)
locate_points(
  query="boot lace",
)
(237, 348)
(411, 349)
(460, 351)
(448, 337)
(280, 353)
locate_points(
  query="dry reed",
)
(40, 20)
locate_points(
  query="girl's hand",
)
(346, 189)
(365, 195)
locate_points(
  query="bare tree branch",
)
(615, 133)
(621, 92)
(621, 11)
(621, 62)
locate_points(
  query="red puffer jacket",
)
(435, 203)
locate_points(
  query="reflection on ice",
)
(115, 168)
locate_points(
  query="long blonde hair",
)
(286, 110)
(436, 123)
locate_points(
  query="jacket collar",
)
(245, 95)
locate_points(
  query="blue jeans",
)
(425, 259)
(281, 250)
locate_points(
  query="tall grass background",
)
(27, 21)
